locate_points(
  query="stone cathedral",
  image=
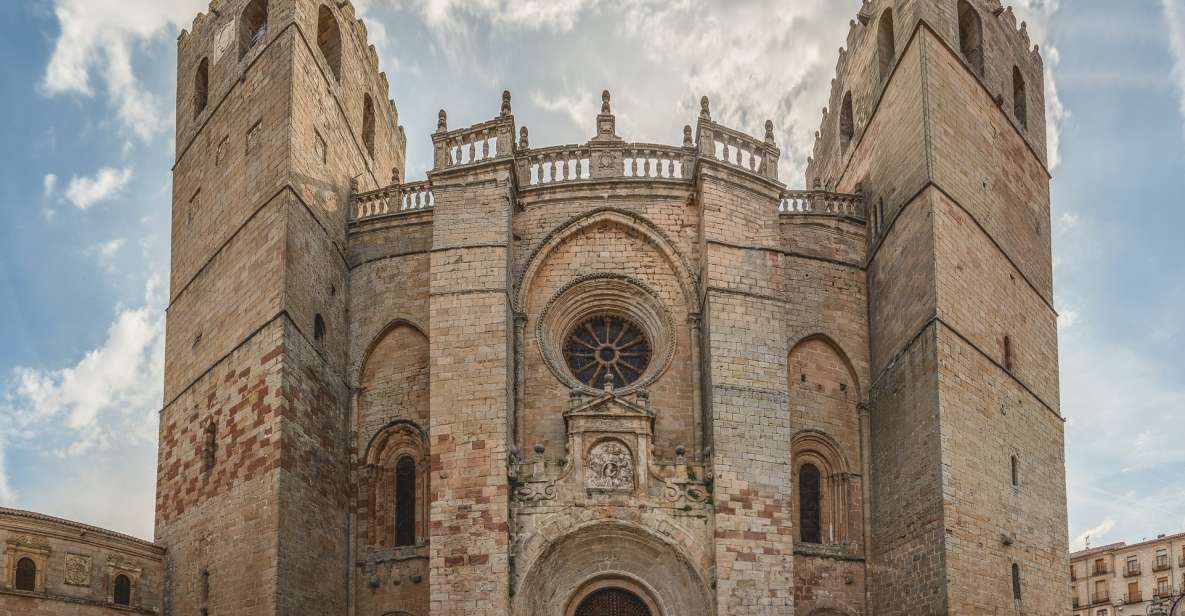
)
(606, 378)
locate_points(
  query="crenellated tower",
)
(281, 113)
(936, 116)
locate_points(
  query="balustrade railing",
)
(554, 164)
(478, 143)
(394, 199)
(644, 160)
(1160, 563)
(821, 202)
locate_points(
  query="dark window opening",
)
(209, 444)
(405, 501)
(368, 124)
(252, 26)
(201, 87)
(1008, 353)
(886, 43)
(1015, 472)
(612, 602)
(809, 506)
(26, 575)
(329, 41)
(971, 36)
(1016, 581)
(847, 124)
(318, 330)
(123, 590)
(1020, 101)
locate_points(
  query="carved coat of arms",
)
(610, 467)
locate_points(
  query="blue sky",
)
(87, 103)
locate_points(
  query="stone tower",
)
(937, 117)
(280, 108)
(611, 377)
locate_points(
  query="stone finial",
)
(394, 175)
(704, 111)
(687, 142)
(539, 449)
(523, 141)
(505, 102)
(441, 121)
(769, 132)
(817, 184)
(605, 102)
(353, 190)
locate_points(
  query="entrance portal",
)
(612, 602)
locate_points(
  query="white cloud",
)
(576, 108)
(107, 183)
(108, 397)
(48, 184)
(1174, 16)
(105, 252)
(558, 15)
(1066, 319)
(8, 496)
(1038, 14)
(1093, 534)
(98, 37)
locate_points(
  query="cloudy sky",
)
(88, 90)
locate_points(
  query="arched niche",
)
(394, 378)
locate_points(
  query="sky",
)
(88, 96)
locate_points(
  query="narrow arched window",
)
(252, 26)
(847, 124)
(123, 590)
(886, 43)
(809, 505)
(1015, 472)
(1008, 360)
(405, 501)
(329, 40)
(201, 87)
(971, 36)
(1020, 100)
(318, 330)
(26, 575)
(209, 442)
(1016, 581)
(368, 124)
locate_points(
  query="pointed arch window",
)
(1020, 101)
(971, 36)
(847, 123)
(368, 124)
(886, 43)
(201, 87)
(26, 575)
(329, 40)
(252, 26)
(123, 590)
(405, 501)
(318, 330)
(809, 504)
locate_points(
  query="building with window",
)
(612, 377)
(55, 566)
(1117, 578)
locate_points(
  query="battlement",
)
(983, 34)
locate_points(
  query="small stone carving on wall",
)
(610, 467)
(78, 570)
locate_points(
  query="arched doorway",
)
(612, 602)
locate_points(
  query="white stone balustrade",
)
(821, 202)
(395, 199)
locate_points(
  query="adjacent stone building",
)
(1117, 578)
(611, 377)
(57, 567)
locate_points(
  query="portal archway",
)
(611, 599)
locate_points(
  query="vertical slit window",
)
(1020, 101)
(329, 41)
(368, 124)
(1016, 581)
(847, 123)
(971, 36)
(201, 87)
(886, 43)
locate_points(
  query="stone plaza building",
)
(610, 378)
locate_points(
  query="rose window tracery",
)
(606, 345)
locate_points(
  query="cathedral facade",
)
(610, 378)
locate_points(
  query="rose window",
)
(607, 345)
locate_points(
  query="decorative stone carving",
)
(610, 467)
(78, 570)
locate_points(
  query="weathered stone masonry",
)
(609, 377)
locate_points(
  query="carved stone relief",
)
(610, 467)
(78, 570)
